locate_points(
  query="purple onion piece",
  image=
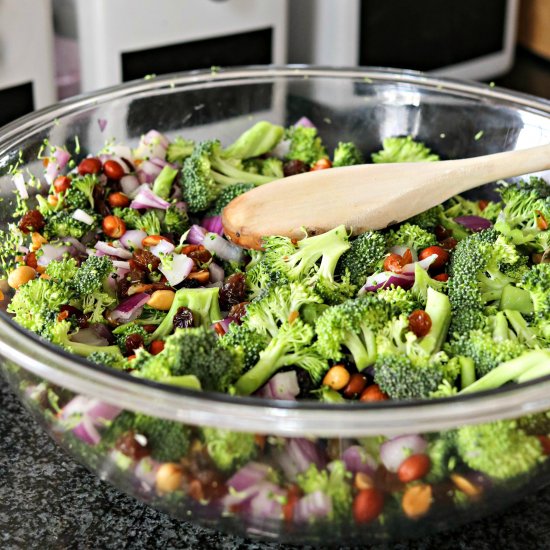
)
(133, 239)
(474, 223)
(387, 279)
(196, 234)
(394, 451)
(145, 198)
(109, 250)
(213, 224)
(314, 505)
(267, 502)
(357, 459)
(89, 336)
(102, 123)
(129, 184)
(223, 248)
(178, 269)
(282, 386)
(131, 308)
(305, 122)
(424, 264)
(248, 475)
(162, 248)
(50, 253)
(19, 182)
(217, 273)
(297, 455)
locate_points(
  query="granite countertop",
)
(49, 501)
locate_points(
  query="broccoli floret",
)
(36, 304)
(499, 449)
(192, 352)
(272, 167)
(526, 212)
(167, 440)
(351, 327)
(150, 222)
(108, 360)
(256, 141)
(162, 186)
(203, 303)
(290, 347)
(10, 241)
(122, 332)
(347, 154)
(62, 224)
(441, 451)
(422, 282)
(535, 424)
(459, 206)
(410, 236)
(59, 334)
(403, 149)
(85, 184)
(305, 145)
(94, 306)
(401, 300)
(92, 274)
(206, 173)
(175, 220)
(130, 216)
(364, 256)
(299, 263)
(64, 271)
(476, 277)
(227, 195)
(71, 199)
(537, 282)
(229, 449)
(275, 305)
(248, 340)
(490, 346)
(179, 149)
(335, 482)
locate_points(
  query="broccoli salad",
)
(123, 261)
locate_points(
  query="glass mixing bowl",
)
(456, 119)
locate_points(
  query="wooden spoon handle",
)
(365, 197)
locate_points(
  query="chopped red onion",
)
(213, 224)
(281, 149)
(152, 144)
(75, 243)
(394, 451)
(282, 386)
(129, 184)
(145, 198)
(357, 459)
(50, 253)
(217, 274)
(89, 336)
(177, 269)
(146, 472)
(131, 308)
(424, 264)
(248, 475)
(474, 223)
(223, 248)
(102, 123)
(267, 502)
(297, 455)
(148, 171)
(19, 182)
(133, 239)
(83, 217)
(181, 205)
(109, 250)
(387, 279)
(122, 151)
(121, 264)
(305, 122)
(163, 248)
(196, 234)
(314, 505)
(399, 250)
(56, 163)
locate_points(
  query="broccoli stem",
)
(438, 307)
(467, 371)
(524, 333)
(515, 369)
(516, 299)
(162, 186)
(189, 381)
(501, 331)
(263, 370)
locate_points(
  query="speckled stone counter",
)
(48, 501)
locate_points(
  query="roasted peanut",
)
(21, 275)
(169, 477)
(417, 500)
(337, 377)
(161, 299)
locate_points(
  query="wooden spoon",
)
(366, 196)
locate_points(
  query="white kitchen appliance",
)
(120, 40)
(26, 57)
(461, 38)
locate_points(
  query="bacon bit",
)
(483, 204)
(542, 224)
(292, 317)
(322, 164)
(394, 263)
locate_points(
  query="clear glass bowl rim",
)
(252, 414)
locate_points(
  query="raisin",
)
(441, 233)
(200, 256)
(31, 261)
(294, 167)
(67, 311)
(100, 204)
(188, 283)
(33, 220)
(183, 318)
(237, 312)
(133, 342)
(146, 260)
(128, 445)
(233, 291)
(305, 382)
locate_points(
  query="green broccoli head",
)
(410, 236)
(179, 149)
(62, 271)
(401, 300)
(62, 224)
(305, 145)
(347, 154)
(229, 449)
(167, 440)
(108, 360)
(335, 482)
(92, 275)
(537, 282)
(246, 339)
(403, 149)
(175, 220)
(192, 352)
(499, 449)
(122, 332)
(364, 256)
(10, 241)
(130, 216)
(227, 195)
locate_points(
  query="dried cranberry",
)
(128, 445)
(133, 342)
(146, 260)
(233, 291)
(237, 312)
(100, 204)
(183, 318)
(441, 233)
(33, 220)
(294, 167)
